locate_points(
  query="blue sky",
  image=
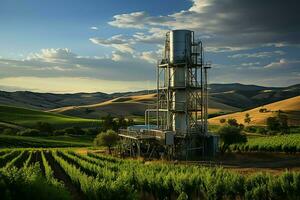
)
(110, 45)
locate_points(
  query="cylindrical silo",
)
(180, 52)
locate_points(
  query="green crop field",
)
(28, 118)
(50, 141)
(65, 174)
(279, 143)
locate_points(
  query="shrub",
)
(230, 135)
(262, 130)
(74, 131)
(9, 131)
(222, 121)
(247, 118)
(59, 132)
(109, 139)
(232, 122)
(29, 132)
(250, 129)
(44, 127)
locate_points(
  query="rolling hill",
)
(127, 106)
(223, 98)
(289, 107)
(16, 116)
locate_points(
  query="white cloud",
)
(56, 62)
(119, 42)
(150, 56)
(222, 22)
(137, 20)
(94, 28)
(52, 54)
(265, 54)
(283, 63)
(250, 64)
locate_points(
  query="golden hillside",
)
(290, 107)
(127, 106)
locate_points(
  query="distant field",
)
(289, 107)
(28, 118)
(134, 106)
(279, 143)
(51, 141)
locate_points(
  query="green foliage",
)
(50, 141)
(108, 139)
(74, 131)
(29, 132)
(27, 183)
(279, 143)
(9, 131)
(111, 123)
(278, 123)
(105, 177)
(262, 130)
(28, 118)
(230, 135)
(44, 127)
(273, 124)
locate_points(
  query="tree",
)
(263, 110)
(222, 121)
(273, 124)
(44, 127)
(232, 122)
(230, 135)
(278, 123)
(247, 118)
(284, 126)
(108, 139)
(122, 123)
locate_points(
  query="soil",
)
(253, 162)
(59, 174)
(20, 162)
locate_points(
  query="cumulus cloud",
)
(55, 62)
(230, 23)
(138, 20)
(52, 54)
(119, 42)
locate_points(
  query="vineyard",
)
(65, 174)
(279, 143)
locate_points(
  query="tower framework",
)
(182, 102)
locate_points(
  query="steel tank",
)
(180, 52)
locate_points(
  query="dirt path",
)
(84, 170)
(247, 163)
(59, 174)
(19, 163)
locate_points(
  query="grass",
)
(28, 118)
(50, 141)
(278, 143)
